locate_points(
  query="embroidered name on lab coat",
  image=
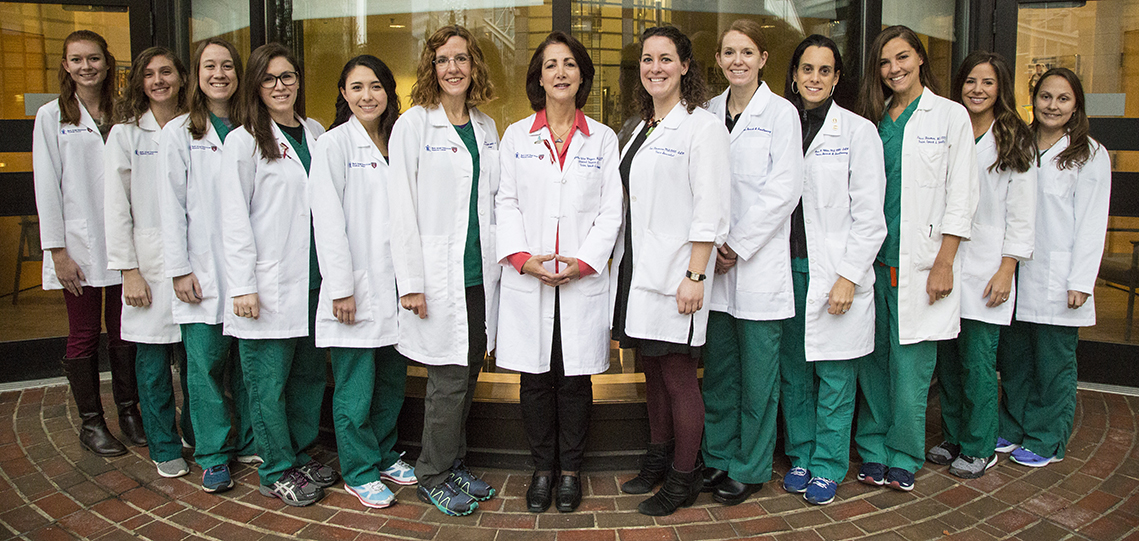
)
(844, 151)
(362, 165)
(73, 131)
(758, 129)
(199, 146)
(592, 162)
(667, 152)
(490, 144)
(430, 148)
(138, 152)
(931, 140)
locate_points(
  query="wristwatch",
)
(694, 276)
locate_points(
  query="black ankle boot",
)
(654, 466)
(680, 489)
(83, 376)
(124, 386)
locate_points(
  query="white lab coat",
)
(429, 195)
(679, 193)
(767, 181)
(134, 227)
(349, 193)
(578, 207)
(265, 234)
(190, 170)
(842, 216)
(940, 189)
(1004, 226)
(67, 165)
(1071, 223)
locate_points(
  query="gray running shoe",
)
(968, 467)
(294, 489)
(172, 468)
(944, 453)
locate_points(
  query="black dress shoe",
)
(538, 495)
(569, 493)
(732, 492)
(712, 478)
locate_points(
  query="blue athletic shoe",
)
(1005, 446)
(375, 494)
(899, 479)
(448, 499)
(872, 473)
(820, 491)
(400, 473)
(469, 483)
(796, 480)
(1024, 457)
(217, 479)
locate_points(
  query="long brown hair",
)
(1016, 147)
(68, 105)
(134, 102)
(1079, 143)
(872, 95)
(693, 91)
(426, 90)
(257, 118)
(200, 104)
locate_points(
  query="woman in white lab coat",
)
(444, 174)
(1003, 231)
(559, 210)
(752, 294)
(676, 174)
(1037, 354)
(839, 224)
(356, 313)
(272, 276)
(931, 195)
(190, 164)
(155, 94)
(67, 163)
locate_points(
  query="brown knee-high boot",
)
(83, 375)
(124, 385)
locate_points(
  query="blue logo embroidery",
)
(138, 152)
(362, 165)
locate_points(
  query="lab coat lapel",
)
(149, 124)
(86, 120)
(832, 127)
(361, 139)
(754, 109)
(671, 121)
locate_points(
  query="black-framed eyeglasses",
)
(460, 59)
(289, 78)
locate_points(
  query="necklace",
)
(559, 138)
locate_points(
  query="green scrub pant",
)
(967, 376)
(817, 398)
(365, 407)
(156, 399)
(286, 380)
(741, 396)
(210, 360)
(895, 383)
(1038, 380)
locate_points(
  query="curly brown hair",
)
(1016, 147)
(693, 90)
(426, 90)
(134, 102)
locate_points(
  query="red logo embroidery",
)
(213, 148)
(374, 165)
(284, 150)
(89, 130)
(454, 149)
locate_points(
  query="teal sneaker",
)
(448, 499)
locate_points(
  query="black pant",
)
(555, 410)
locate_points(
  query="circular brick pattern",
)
(50, 488)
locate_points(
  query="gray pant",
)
(450, 389)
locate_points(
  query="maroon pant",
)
(85, 315)
(676, 409)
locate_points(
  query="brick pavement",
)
(51, 489)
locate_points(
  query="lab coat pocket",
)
(148, 250)
(435, 264)
(982, 252)
(926, 246)
(362, 294)
(934, 164)
(77, 242)
(830, 183)
(1062, 184)
(203, 267)
(659, 263)
(751, 152)
(268, 275)
(1059, 267)
(515, 281)
(587, 190)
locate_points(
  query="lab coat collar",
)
(85, 118)
(438, 118)
(671, 121)
(148, 122)
(283, 141)
(832, 127)
(755, 107)
(925, 102)
(362, 140)
(579, 122)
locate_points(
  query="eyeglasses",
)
(460, 59)
(289, 78)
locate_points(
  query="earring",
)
(794, 89)
(832, 90)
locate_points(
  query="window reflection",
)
(222, 19)
(934, 23)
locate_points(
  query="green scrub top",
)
(221, 125)
(472, 253)
(891, 132)
(301, 147)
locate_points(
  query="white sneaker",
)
(400, 473)
(375, 494)
(250, 459)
